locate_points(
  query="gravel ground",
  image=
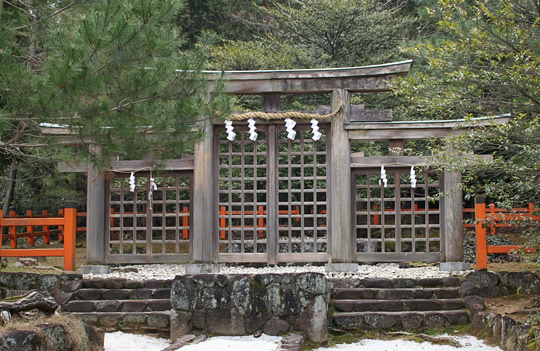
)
(381, 270)
(119, 341)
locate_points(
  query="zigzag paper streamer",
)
(413, 177)
(383, 179)
(289, 124)
(229, 128)
(252, 133)
(315, 130)
(132, 182)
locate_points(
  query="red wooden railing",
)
(67, 224)
(488, 218)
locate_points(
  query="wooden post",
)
(272, 102)
(452, 218)
(95, 215)
(203, 199)
(70, 235)
(46, 229)
(61, 227)
(481, 232)
(30, 239)
(13, 229)
(341, 248)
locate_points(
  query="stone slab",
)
(341, 267)
(454, 266)
(94, 269)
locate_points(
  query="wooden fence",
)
(67, 227)
(490, 218)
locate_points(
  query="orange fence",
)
(488, 218)
(260, 221)
(67, 224)
(500, 217)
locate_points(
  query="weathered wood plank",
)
(184, 164)
(340, 182)
(405, 161)
(95, 209)
(272, 102)
(416, 129)
(452, 218)
(360, 114)
(203, 199)
(397, 257)
(366, 78)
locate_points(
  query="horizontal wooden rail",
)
(68, 224)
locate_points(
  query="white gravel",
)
(381, 270)
(119, 341)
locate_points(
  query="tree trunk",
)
(10, 187)
(30, 301)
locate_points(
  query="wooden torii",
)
(349, 123)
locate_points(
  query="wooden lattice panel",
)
(302, 193)
(397, 222)
(143, 228)
(242, 192)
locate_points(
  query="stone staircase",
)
(119, 304)
(401, 304)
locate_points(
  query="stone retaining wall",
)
(248, 304)
(506, 332)
(490, 284)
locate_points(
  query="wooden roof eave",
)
(417, 129)
(306, 81)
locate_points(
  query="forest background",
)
(108, 67)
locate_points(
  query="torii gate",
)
(219, 223)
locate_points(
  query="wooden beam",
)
(354, 79)
(183, 164)
(405, 161)
(341, 244)
(416, 129)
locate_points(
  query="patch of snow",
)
(236, 343)
(468, 343)
(119, 341)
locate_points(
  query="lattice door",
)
(396, 223)
(149, 229)
(271, 200)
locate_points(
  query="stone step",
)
(398, 305)
(118, 305)
(395, 293)
(120, 283)
(384, 283)
(126, 321)
(122, 294)
(400, 320)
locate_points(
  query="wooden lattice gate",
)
(272, 195)
(396, 223)
(143, 228)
